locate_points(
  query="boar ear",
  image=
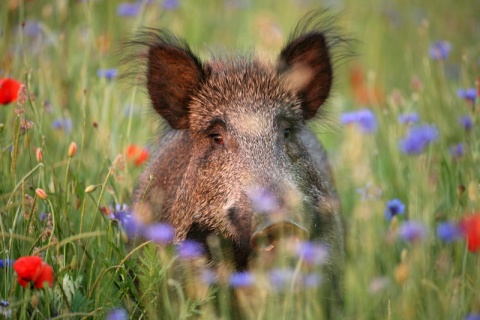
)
(173, 73)
(306, 67)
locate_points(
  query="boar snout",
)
(266, 237)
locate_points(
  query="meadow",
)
(402, 134)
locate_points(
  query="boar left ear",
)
(306, 67)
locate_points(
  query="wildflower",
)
(170, 4)
(127, 221)
(469, 95)
(33, 269)
(470, 226)
(5, 263)
(137, 154)
(440, 50)
(32, 28)
(394, 207)
(208, 276)
(161, 233)
(189, 249)
(22, 95)
(41, 193)
(418, 138)
(281, 278)
(72, 149)
(408, 118)
(465, 122)
(448, 231)
(364, 118)
(9, 89)
(412, 231)
(263, 200)
(5, 309)
(457, 150)
(64, 124)
(39, 155)
(129, 10)
(313, 253)
(473, 316)
(90, 188)
(108, 74)
(241, 279)
(117, 314)
(312, 280)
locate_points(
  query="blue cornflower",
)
(129, 224)
(5, 263)
(418, 138)
(468, 94)
(465, 122)
(108, 74)
(281, 278)
(170, 4)
(313, 253)
(160, 233)
(365, 119)
(189, 249)
(32, 28)
(127, 9)
(5, 309)
(117, 314)
(263, 200)
(412, 231)
(440, 50)
(64, 124)
(457, 150)
(394, 207)
(312, 280)
(241, 279)
(448, 231)
(408, 118)
(473, 316)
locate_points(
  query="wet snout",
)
(267, 237)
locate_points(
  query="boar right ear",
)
(173, 73)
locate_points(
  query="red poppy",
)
(137, 155)
(470, 226)
(9, 90)
(33, 269)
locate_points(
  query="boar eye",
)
(287, 132)
(217, 138)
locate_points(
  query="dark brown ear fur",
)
(306, 65)
(173, 73)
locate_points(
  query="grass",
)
(57, 58)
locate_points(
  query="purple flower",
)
(117, 314)
(189, 249)
(408, 118)
(241, 279)
(32, 28)
(313, 253)
(263, 200)
(418, 138)
(129, 224)
(127, 9)
(312, 280)
(412, 231)
(468, 94)
(364, 118)
(64, 124)
(457, 150)
(473, 316)
(281, 278)
(394, 207)
(5, 309)
(465, 122)
(108, 74)
(5, 263)
(170, 4)
(440, 50)
(160, 233)
(208, 276)
(448, 231)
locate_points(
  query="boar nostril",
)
(267, 237)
